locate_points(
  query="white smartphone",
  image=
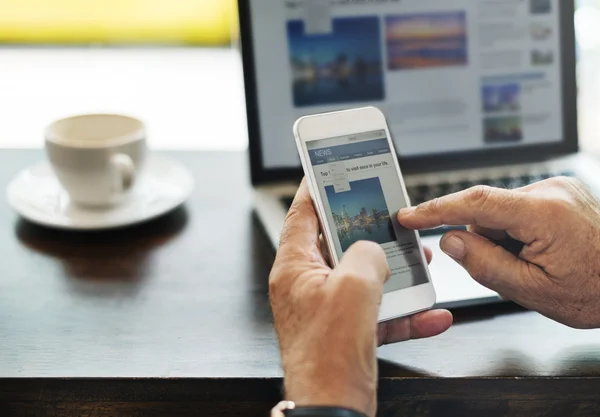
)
(357, 188)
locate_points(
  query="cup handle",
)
(124, 169)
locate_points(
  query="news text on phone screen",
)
(361, 192)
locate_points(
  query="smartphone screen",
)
(362, 194)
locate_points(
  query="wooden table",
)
(172, 318)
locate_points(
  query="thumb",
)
(357, 283)
(489, 264)
(364, 261)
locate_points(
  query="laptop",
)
(474, 91)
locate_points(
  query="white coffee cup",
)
(97, 157)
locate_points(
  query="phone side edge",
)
(430, 288)
(313, 189)
(406, 297)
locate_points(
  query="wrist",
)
(319, 412)
(360, 396)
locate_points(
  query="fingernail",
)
(406, 211)
(454, 247)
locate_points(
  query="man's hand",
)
(557, 271)
(326, 320)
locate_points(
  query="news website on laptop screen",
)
(450, 76)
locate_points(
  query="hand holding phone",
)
(356, 185)
(325, 317)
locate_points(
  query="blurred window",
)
(195, 22)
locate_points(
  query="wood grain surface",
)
(171, 318)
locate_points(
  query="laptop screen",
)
(450, 76)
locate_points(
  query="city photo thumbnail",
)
(501, 97)
(540, 6)
(427, 40)
(343, 66)
(361, 213)
(540, 31)
(539, 57)
(503, 129)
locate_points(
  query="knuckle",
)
(287, 233)
(310, 292)
(293, 287)
(434, 206)
(559, 181)
(479, 195)
(289, 227)
(574, 181)
(281, 277)
(577, 190)
(570, 187)
(274, 281)
(301, 209)
(580, 185)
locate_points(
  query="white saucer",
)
(36, 195)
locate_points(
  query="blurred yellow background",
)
(212, 22)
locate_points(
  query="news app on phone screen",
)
(362, 194)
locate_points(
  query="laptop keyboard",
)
(422, 193)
